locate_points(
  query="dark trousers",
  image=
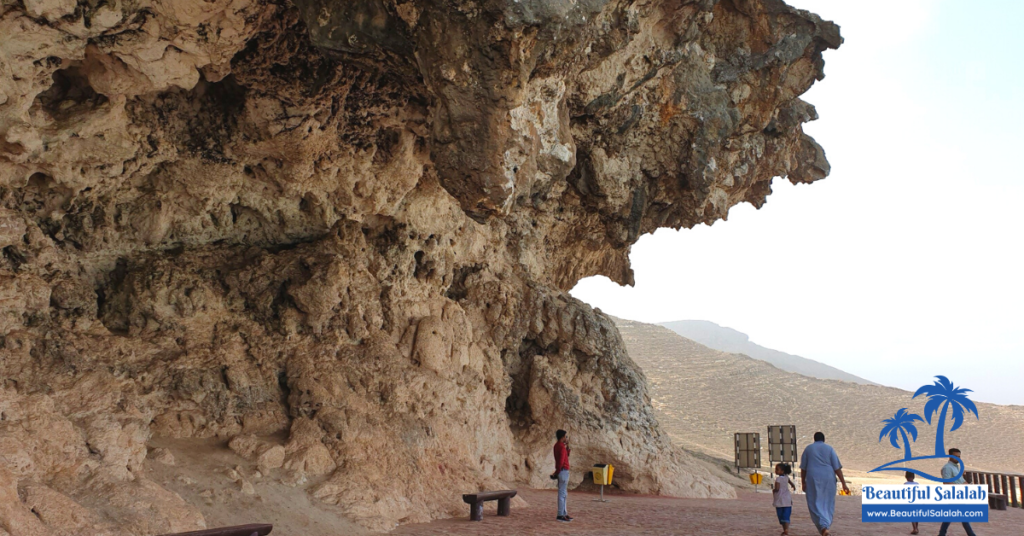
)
(945, 527)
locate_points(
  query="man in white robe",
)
(819, 468)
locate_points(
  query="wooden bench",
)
(476, 502)
(997, 501)
(240, 530)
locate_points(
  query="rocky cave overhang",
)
(311, 229)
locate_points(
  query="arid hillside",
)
(701, 396)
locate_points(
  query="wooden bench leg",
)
(504, 506)
(476, 511)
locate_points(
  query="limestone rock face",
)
(341, 235)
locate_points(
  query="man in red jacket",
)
(562, 451)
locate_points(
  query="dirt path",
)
(750, 515)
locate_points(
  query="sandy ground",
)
(208, 483)
(750, 515)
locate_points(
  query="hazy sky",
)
(907, 261)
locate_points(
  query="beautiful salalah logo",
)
(943, 396)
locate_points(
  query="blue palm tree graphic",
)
(943, 393)
(899, 425)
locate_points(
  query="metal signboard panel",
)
(748, 450)
(782, 444)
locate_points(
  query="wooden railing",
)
(1000, 484)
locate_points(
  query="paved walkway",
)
(750, 515)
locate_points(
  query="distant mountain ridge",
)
(725, 339)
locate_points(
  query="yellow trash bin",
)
(755, 478)
(603, 474)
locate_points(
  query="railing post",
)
(1020, 480)
(1013, 491)
(988, 482)
(1006, 491)
(995, 484)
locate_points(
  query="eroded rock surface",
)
(341, 235)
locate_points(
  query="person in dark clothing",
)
(561, 473)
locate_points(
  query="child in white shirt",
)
(781, 498)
